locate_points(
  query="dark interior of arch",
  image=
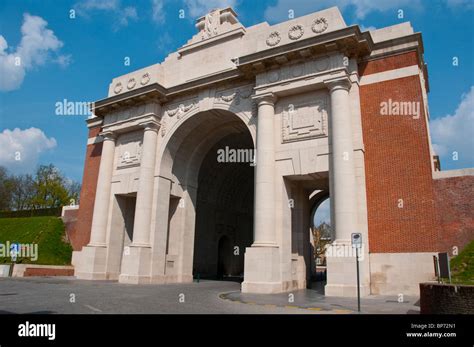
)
(224, 211)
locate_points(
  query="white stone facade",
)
(291, 91)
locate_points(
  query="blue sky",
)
(75, 59)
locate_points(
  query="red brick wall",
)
(80, 235)
(389, 63)
(455, 207)
(32, 271)
(398, 165)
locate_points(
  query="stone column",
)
(264, 218)
(141, 227)
(262, 269)
(102, 196)
(343, 194)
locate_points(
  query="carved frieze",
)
(124, 114)
(129, 148)
(288, 72)
(234, 95)
(180, 109)
(305, 121)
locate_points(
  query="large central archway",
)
(208, 160)
(224, 213)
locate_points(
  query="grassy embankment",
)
(47, 232)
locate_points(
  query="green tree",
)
(22, 192)
(6, 186)
(74, 192)
(321, 238)
(49, 188)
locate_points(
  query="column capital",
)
(338, 83)
(265, 99)
(108, 135)
(151, 125)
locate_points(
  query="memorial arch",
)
(303, 97)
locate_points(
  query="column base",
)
(136, 266)
(90, 263)
(262, 270)
(168, 279)
(342, 271)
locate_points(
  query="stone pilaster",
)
(136, 265)
(340, 256)
(342, 173)
(102, 197)
(264, 223)
(141, 227)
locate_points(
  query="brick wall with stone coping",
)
(438, 298)
(397, 164)
(79, 232)
(28, 270)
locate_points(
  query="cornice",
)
(350, 41)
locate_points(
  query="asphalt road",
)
(68, 295)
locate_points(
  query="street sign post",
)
(356, 241)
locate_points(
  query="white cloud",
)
(279, 11)
(164, 42)
(369, 28)
(465, 4)
(20, 149)
(38, 45)
(157, 12)
(199, 8)
(122, 14)
(128, 13)
(84, 8)
(455, 133)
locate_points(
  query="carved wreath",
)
(131, 83)
(237, 95)
(295, 32)
(118, 88)
(180, 110)
(273, 39)
(319, 25)
(145, 79)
